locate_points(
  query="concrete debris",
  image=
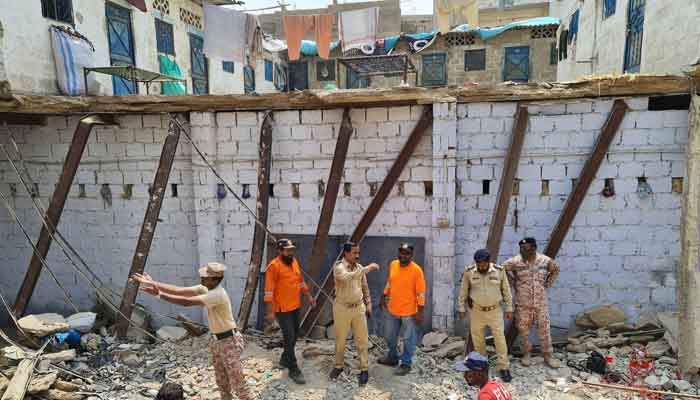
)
(658, 349)
(128, 357)
(434, 339)
(656, 382)
(667, 361)
(66, 386)
(91, 341)
(172, 333)
(318, 332)
(82, 322)
(451, 350)
(680, 386)
(42, 383)
(54, 394)
(11, 356)
(601, 317)
(669, 321)
(41, 325)
(61, 356)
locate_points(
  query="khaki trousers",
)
(344, 319)
(478, 321)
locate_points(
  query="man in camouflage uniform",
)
(533, 273)
(484, 287)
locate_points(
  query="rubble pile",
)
(100, 367)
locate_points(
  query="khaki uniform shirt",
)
(351, 284)
(485, 290)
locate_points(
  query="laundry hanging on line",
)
(228, 34)
(72, 53)
(296, 26)
(358, 29)
(170, 67)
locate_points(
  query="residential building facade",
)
(120, 34)
(626, 36)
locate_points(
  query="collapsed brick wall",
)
(623, 249)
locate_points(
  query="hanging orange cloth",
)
(296, 26)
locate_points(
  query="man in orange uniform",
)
(405, 290)
(283, 287)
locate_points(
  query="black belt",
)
(227, 334)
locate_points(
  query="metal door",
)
(121, 45)
(200, 70)
(517, 64)
(354, 81)
(298, 75)
(635, 30)
(434, 70)
(381, 250)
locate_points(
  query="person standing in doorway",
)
(227, 343)
(533, 273)
(352, 307)
(403, 301)
(284, 285)
(484, 287)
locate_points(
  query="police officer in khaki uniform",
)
(353, 305)
(484, 287)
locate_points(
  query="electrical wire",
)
(12, 212)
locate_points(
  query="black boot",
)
(335, 373)
(297, 376)
(505, 375)
(388, 361)
(363, 378)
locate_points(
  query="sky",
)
(408, 7)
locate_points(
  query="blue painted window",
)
(164, 38)
(517, 64)
(573, 26)
(60, 10)
(434, 70)
(200, 68)
(268, 70)
(475, 60)
(121, 46)
(635, 36)
(609, 8)
(248, 79)
(228, 66)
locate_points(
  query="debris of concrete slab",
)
(128, 357)
(601, 317)
(61, 356)
(318, 332)
(669, 321)
(53, 394)
(42, 383)
(658, 349)
(11, 356)
(680, 386)
(434, 339)
(193, 328)
(83, 322)
(172, 333)
(667, 360)
(41, 325)
(450, 350)
(656, 382)
(66, 386)
(318, 350)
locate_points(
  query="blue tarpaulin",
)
(391, 41)
(309, 47)
(489, 33)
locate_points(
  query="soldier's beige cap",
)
(212, 270)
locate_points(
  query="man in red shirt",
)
(283, 287)
(476, 373)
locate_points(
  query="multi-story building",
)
(626, 36)
(121, 35)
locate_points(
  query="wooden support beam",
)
(148, 228)
(578, 194)
(425, 122)
(58, 201)
(596, 87)
(505, 189)
(259, 234)
(590, 169)
(318, 250)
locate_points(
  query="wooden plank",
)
(259, 234)
(588, 173)
(53, 214)
(608, 86)
(505, 189)
(590, 169)
(17, 388)
(335, 175)
(148, 228)
(370, 214)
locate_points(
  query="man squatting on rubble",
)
(484, 286)
(533, 273)
(227, 344)
(403, 300)
(476, 373)
(283, 287)
(353, 304)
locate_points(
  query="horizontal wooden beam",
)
(608, 86)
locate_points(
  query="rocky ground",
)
(106, 368)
